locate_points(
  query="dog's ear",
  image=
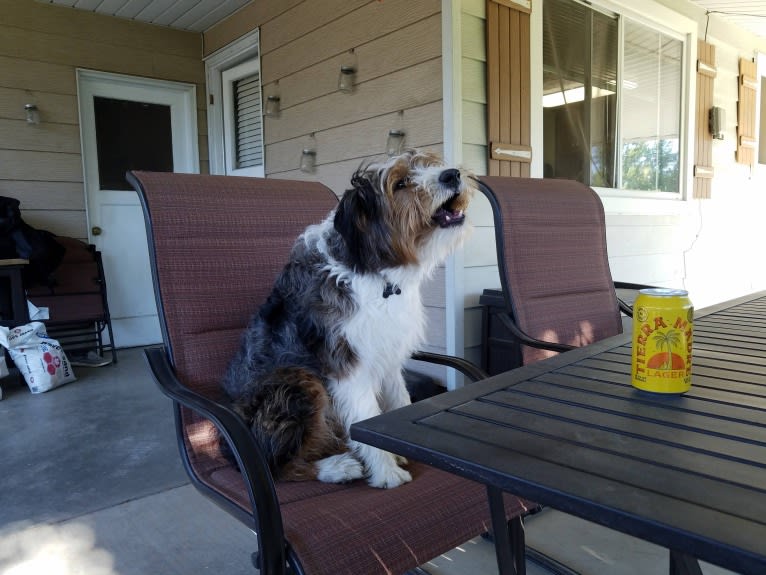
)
(360, 220)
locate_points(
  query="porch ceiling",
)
(199, 15)
(747, 14)
(193, 15)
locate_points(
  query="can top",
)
(664, 292)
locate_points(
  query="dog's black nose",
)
(450, 177)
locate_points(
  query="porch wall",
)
(397, 53)
(41, 46)
(706, 246)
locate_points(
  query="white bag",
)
(38, 357)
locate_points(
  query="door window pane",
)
(131, 136)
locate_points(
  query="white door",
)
(127, 122)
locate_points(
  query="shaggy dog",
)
(328, 347)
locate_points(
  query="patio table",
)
(687, 472)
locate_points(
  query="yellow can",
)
(662, 341)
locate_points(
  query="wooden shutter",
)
(703, 149)
(748, 88)
(247, 111)
(508, 87)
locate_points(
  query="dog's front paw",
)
(389, 477)
(400, 460)
(339, 468)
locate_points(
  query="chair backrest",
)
(552, 258)
(217, 245)
(76, 293)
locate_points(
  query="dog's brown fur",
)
(321, 434)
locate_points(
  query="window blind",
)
(248, 129)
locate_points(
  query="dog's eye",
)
(401, 184)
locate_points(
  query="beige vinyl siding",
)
(479, 258)
(474, 84)
(41, 46)
(397, 51)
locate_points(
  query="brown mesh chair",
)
(217, 244)
(76, 299)
(557, 289)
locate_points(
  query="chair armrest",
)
(255, 471)
(625, 307)
(471, 371)
(629, 285)
(526, 339)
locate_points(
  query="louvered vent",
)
(247, 110)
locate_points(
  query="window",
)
(131, 136)
(242, 120)
(235, 120)
(612, 96)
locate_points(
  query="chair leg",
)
(111, 340)
(518, 544)
(521, 552)
(683, 564)
(549, 563)
(508, 536)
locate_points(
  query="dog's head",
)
(409, 210)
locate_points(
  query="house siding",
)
(701, 245)
(41, 46)
(397, 51)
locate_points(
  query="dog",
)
(328, 346)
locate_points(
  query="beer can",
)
(662, 341)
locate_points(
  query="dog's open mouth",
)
(447, 217)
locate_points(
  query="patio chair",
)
(216, 245)
(75, 296)
(557, 289)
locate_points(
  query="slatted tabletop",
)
(684, 471)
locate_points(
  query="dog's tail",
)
(293, 422)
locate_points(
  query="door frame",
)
(181, 98)
(246, 48)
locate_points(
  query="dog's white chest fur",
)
(384, 331)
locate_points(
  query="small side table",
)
(12, 269)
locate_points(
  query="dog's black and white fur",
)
(328, 347)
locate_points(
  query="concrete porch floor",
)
(92, 483)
